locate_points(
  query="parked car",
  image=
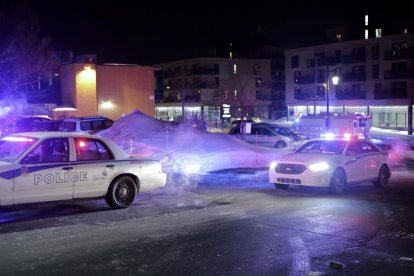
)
(269, 135)
(332, 163)
(52, 166)
(89, 124)
(17, 124)
(237, 122)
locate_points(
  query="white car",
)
(333, 163)
(52, 166)
(89, 124)
(269, 135)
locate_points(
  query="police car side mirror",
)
(31, 158)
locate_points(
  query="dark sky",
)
(149, 32)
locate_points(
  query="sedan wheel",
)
(383, 177)
(338, 182)
(121, 193)
(281, 144)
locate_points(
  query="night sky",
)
(155, 32)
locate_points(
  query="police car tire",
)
(121, 193)
(383, 177)
(338, 182)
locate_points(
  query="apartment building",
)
(215, 89)
(110, 90)
(375, 77)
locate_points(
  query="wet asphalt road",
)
(218, 224)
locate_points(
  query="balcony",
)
(204, 84)
(204, 71)
(399, 74)
(308, 79)
(349, 59)
(401, 54)
(352, 76)
(350, 95)
(325, 61)
(309, 95)
(390, 94)
(187, 99)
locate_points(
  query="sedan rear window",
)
(67, 126)
(91, 149)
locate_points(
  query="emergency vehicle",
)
(51, 166)
(316, 126)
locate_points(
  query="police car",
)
(51, 166)
(332, 163)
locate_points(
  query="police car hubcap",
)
(123, 192)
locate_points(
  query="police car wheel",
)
(383, 177)
(338, 182)
(121, 193)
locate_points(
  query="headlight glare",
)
(322, 166)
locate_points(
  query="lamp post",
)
(335, 80)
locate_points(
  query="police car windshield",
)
(12, 147)
(323, 146)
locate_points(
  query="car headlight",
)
(273, 165)
(191, 168)
(322, 166)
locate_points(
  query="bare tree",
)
(25, 56)
(239, 93)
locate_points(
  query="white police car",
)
(333, 163)
(51, 166)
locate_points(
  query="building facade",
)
(110, 90)
(376, 77)
(215, 89)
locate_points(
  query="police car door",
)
(95, 164)
(44, 173)
(358, 164)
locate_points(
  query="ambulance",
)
(317, 126)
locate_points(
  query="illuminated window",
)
(399, 49)
(378, 32)
(366, 20)
(338, 37)
(366, 34)
(235, 94)
(235, 68)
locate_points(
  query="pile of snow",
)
(180, 146)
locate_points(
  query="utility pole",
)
(316, 84)
(410, 117)
(182, 105)
(327, 97)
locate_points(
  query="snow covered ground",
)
(181, 147)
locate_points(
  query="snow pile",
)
(179, 145)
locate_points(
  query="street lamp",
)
(335, 80)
